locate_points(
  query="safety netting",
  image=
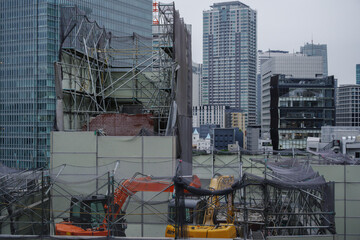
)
(289, 198)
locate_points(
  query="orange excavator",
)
(100, 215)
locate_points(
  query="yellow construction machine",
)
(202, 218)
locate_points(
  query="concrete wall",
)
(156, 156)
(88, 156)
(347, 198)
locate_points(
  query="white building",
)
(201, 143)
(209, 114)
(261, 58)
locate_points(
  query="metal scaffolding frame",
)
(265, 205)
(268, 209)
(25, 201)
(101, 73)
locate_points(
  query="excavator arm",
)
(131, 186)
(126, 189)
(219, 183)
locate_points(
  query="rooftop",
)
(232, 3)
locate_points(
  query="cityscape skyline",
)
(320, 26)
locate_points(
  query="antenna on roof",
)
(312, 44)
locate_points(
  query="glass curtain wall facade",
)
(28, 49)
(299, 108)
(121, 17)
(357, 73)
(229, 57)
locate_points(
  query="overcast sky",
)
(288, 24)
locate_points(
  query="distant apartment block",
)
(222, 138)
(229, 57)
(208, 114)
(253, 135)
(348, 105)
(235, 118)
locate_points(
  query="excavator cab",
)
(88, 212)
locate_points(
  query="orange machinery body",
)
(67, 228)
(127, 189)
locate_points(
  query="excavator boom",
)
(126, 189)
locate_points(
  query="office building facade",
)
(299, 107)
(311, 49)
(348, 105)
(222, 138)
(263, 56)
(208, 114)
(357, 73)
(290, 65)
(229, 57)
(29, 44)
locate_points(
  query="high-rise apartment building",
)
(29, 43)
(229, 57)
(311, 49)
(357, 73)
(348, 105)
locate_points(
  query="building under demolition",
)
(125, 86)
(272, 196)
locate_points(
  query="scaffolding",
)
(274, 195)
(25, 201)
(278, 193)
(101, 73)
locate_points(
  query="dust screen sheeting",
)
(74, 23)
(288, 190)
(182, 43)
(330, 157)
(128, 74)
(274, 111)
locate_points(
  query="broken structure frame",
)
(100, 73)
